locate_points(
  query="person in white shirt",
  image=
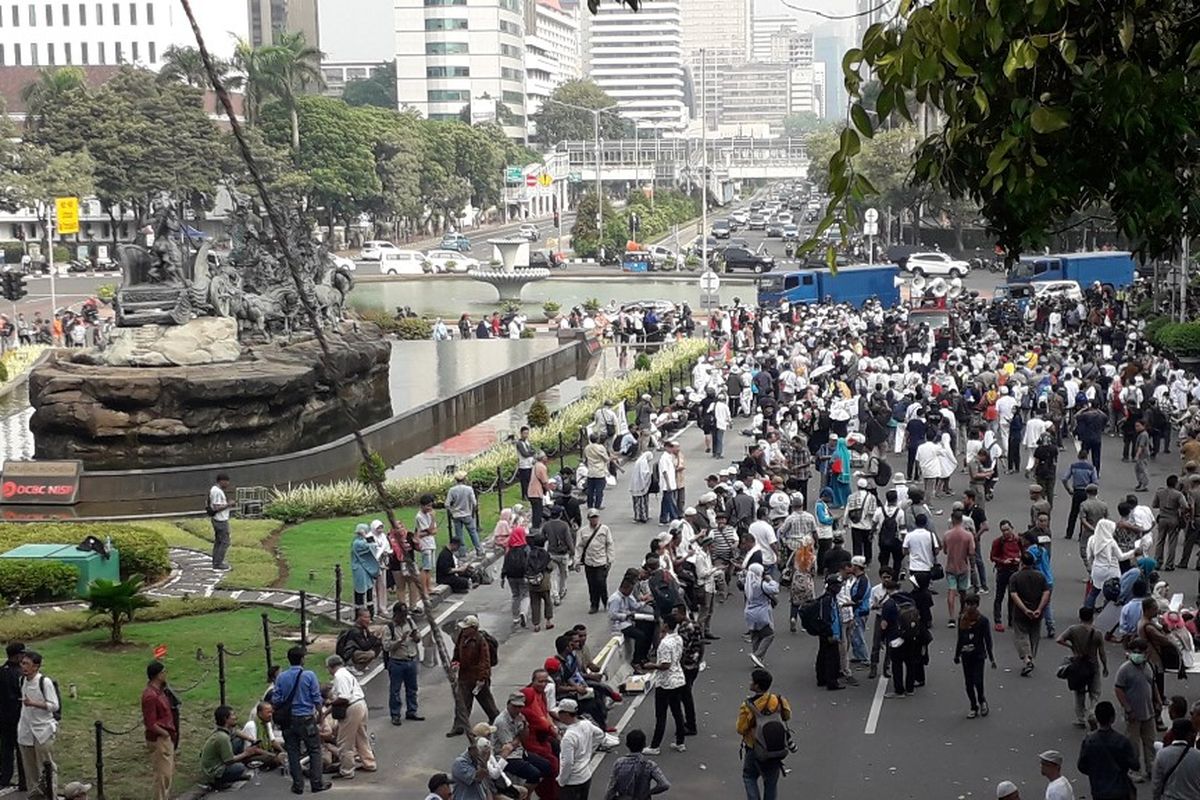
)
(670, 687)
(721, 418)
(218, 510)
(37, 728)
(668, 482)
(1058, 788)
(352, 738)
(929, 460)
(921, 547)
(579, 741)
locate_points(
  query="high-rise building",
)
(703, 18)
(453, 55)
(708, 69)
(792, 47)
(269, 18)
(108, 33)
(829, 45)
(637, 58)
(756, 97)
(552, 49)
(871, 12)
(808, 90)
(762, 28)
(356, 39)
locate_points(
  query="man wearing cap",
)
(1007, 790)
(473, 658)
(595, 554)
(1038, 504)
(463, 506)
(579, 742)
(1058, 788)
(862, 516)
(508, 741)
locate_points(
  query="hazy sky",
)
(776, 7)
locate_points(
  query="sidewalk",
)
(408, 755)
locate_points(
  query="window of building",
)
(446, 48)
(133, 50)
(445, 24)
(513, 97)
(510, 27)
(16, 16)
(99, 13)
(511, 51)
(447, 72)
(49, 14)
(508, 73)
(116, 15)
(67, 53)
(333, 75)
(33, 54)
(149, 13)
(66, 14)
(443, 117)
(445, 2)
(32, 15)
(356, 73)
(100, 48)
(133, 13)
(153, 52)
(83, 52)
(2, 62)
(448, 95)
(119, 52)
(50, 54)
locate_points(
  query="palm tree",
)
(283, 71)
(118, 601)
(51, 85)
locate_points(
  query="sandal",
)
(974, 713)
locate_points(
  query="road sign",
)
(574, 177)
(531, 181)
(545, 180)
(67, 209)
(710, 282)
(872, 215)
(512, 174)
(871, 229)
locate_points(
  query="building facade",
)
(762, 28)
(453, 55)
(792, 47)
(356, 38)
(701, 18)
(552, 50)
(755, 98)
(637, 57)
(111, 33)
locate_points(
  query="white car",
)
(784, 217)
(449, 261)
(1067, 289)
(661, 254)
(741, 216)
(530, 232)
(373, 250)
(402, 262)
(341, 262)
(937, 263)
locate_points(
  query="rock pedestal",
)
(272, 399)
(206, 340)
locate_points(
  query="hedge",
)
(1181, 338)
(26, 628)
(351, 498)
(143, 552)
(36, 581)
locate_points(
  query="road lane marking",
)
(876, 706)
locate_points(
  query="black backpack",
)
(342, 645)
(42, 688)
(493, 647)
(883, 475)
(772, 739)
(812, 621)
(910, 622)
(889, 529)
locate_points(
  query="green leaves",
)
(1046, 119)
(1125, 32)
(850, 143)
(858, 116)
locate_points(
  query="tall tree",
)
(282, 71)
(184, 65)
(558, 123)
(378, 90)
(800, 124)
(52, 85)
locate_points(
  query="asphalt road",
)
(850, 741)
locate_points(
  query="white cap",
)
(1005, 789)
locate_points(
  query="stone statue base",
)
(206, 340)
(275, 398)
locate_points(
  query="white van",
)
(402, 262)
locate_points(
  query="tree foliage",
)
(1039, 109)
(118, 601)
(559, 123)
(796, 125)
(378, 90)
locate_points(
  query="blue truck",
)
(1108, 268)
(851, 284)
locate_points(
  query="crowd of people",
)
(66, 328)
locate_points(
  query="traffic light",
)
(14, 286)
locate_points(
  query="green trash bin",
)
(91, 565)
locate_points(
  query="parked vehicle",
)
(455, 241)
(402, 262)
(937, 263)
(530, 232)
(1108, 268)
(374, 249)
(742, 258)
(854, 284)
(341, 262)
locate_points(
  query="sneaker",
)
(522, 620)
(874, 673)
(983, 590)
(792, 626)
(1028, 668)
(679, 748)
(652, 751)
(950, 623)
(397, 721)
(983, 709)
(973, 713)
(758, 662)
(850, 680)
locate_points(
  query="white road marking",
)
(876, 706)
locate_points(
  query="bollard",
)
(221, 670)
(562, 454)
(303, 618)
(267, 643)
(337, 592)
(99, 760)
(47, 780)
(499, 491)
(582, 442)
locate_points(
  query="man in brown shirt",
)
(539, 482)
(473, 659)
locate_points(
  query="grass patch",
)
(252, 558)
(26, 628)
(109, 685)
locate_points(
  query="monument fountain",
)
(509, 280)
(212, 361)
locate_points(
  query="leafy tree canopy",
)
(558, 123)
(378, 90)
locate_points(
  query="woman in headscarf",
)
(364, 567)
(839, 473)
(503, 528)
(379, 543)
(639, 485)
(804, 572)
(513, 571)
(761, 590)
(1103, 557)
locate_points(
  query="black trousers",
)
(642, 634)
(689, 701)
(575, 791)
(829, 662)
(535, 503)
(860, 540)
(303, 732)
(1002, 576)
(973, 677)
(1077, 498)
(905, 662)
(893, 553)
(597, 582)
(8, 753)
(664, 699)
(523, 476)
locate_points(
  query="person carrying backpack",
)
(904, 633)
(762, 724)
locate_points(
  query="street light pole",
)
(703, 161)
(599, 182)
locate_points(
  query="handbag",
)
(937, 572)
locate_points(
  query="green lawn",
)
(254, 566)
(109, 683)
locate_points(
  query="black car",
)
(775, 230)
(721, 229)
(542, 260)
(742, 258)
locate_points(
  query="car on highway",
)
(402, 262)
(455, 241)
(341, 262)
(774, 230)
(449, 261)
(757, 222)
(661, 254)
(539, 259)
(936, 263)
(373, 250)
(721, 229)
(741, 216)
(791, 231)
(743, 258)
(784, 217)
(530, 232)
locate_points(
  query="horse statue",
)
(258, 312)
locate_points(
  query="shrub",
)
(591, 305)
(538, 416)
(117, 602)
(510, 307)
(106, 291)
(1181, 338)
(13, 252)
(36, 581)
(143, 552)
(61, 254)
(641, 362)
(413, 328)
(22, 627)
(551, 309)
(1154, 329)
(527, 333)
(377, 316)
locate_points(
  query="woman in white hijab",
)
(761, 590)
(1103, 557)
(639, 485)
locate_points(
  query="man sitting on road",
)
(358, 645)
